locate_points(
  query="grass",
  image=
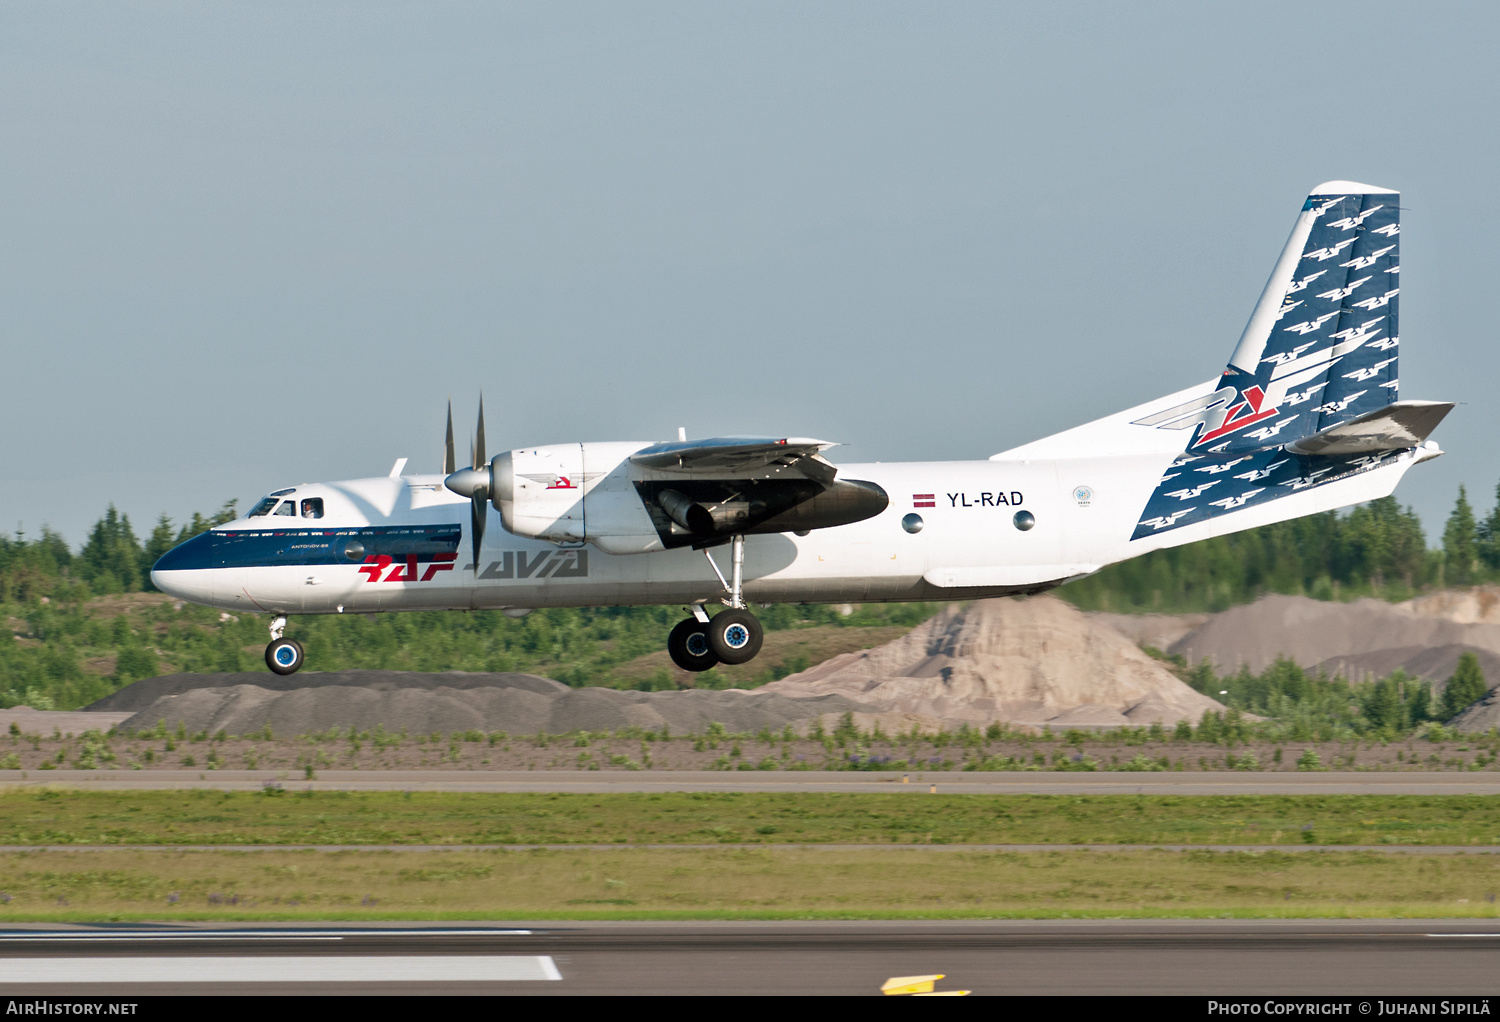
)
(770, 883)
(56, 816)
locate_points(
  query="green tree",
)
(1460, 542)
(162, 539)
(1383, 706)
(1488, 535)
(1466, 687)
(111, 559)
(200, 524)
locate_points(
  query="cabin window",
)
(288, 507)
(312, 507)
(263, 508)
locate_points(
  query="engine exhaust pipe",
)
(692, 516)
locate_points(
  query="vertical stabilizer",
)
(1320, 350)
(1320, 347)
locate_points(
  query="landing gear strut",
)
(731, 637)
(283, 656)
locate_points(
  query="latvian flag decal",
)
(924, 500)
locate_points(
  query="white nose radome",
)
(195, 586)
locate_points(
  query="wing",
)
(701, 492)
(741, 457)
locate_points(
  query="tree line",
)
(1377, 549)
(79, 633)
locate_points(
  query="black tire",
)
(284, 656)
(688, 646)
(735, 636)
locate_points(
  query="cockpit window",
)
(263, 508)
(312, 507)
(288, 507)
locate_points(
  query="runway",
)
(1111, 957)
(1414, 782)
(745, 846)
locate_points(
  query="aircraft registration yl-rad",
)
(1304, 419)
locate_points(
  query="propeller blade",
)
(450, 463)
(479, 458)
(477, 514)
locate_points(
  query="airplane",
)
(735, 521)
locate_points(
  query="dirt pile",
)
(454, 701)
(1033, 661)
(1158, 630)
(1479, 605)
(1359, 640)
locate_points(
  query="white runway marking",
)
(282, 969)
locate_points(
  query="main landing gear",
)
(732, 636)
(283, 656)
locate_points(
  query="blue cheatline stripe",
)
(254, 548)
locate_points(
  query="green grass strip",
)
(764, 883)
(60, 817)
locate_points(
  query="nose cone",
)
(186, 572)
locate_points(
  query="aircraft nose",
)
(193, 586)
(185, 571)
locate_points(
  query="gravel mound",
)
(1032, 661)
(147, 691)
(453, 701)
(1482, 716)
(1366, 635)
(1435, 663)
(1158, 630)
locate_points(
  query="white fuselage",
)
(968, 546)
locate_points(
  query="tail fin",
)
(1308, 399)
(1321, 345)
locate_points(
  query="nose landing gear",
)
(732, 637)
(283, 656)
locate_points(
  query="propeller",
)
(450, 464)
(481, 494)
(473, 482)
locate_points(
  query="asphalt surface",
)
(1108, 957)
(800, 846)
(1414, 782)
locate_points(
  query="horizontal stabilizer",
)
(1392, 428)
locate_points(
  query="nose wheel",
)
(283, 656)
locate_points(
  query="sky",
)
(249, 245)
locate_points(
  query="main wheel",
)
(284, 656)
(734, 636)
(688, 646)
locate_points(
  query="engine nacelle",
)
(568, 493)
(539, 491)
(593, 492)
